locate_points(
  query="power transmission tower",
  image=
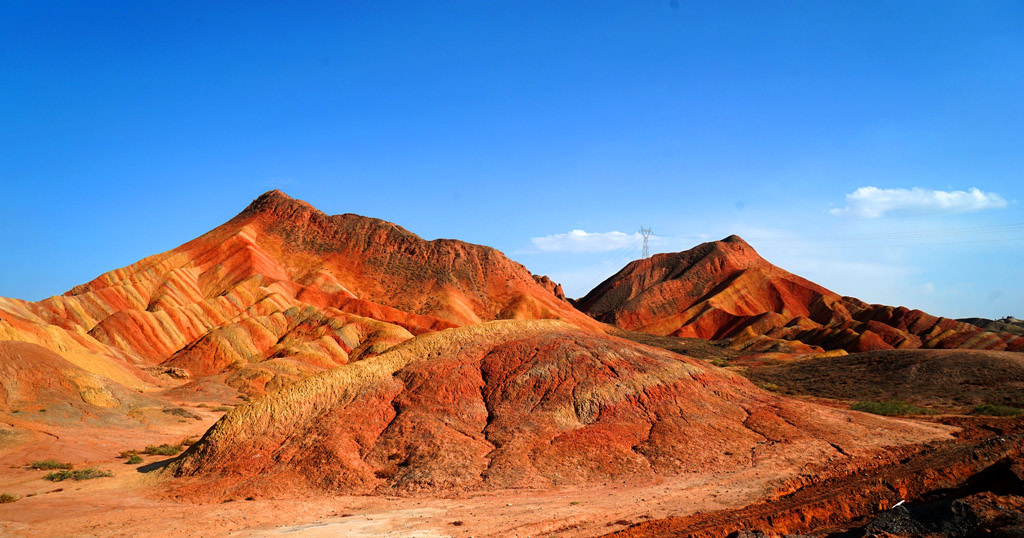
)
(646, 232)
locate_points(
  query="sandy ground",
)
(120, 506)
(131, 504)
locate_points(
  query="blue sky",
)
(130, 128)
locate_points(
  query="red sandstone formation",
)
(517, 404)
(280, 288)
(724, 289)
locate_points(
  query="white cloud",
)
(872, 202)
(581, 241)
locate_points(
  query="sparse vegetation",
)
(183, 413)
(891, 408)
(996, 410)
(222, 409)
(189, 441)
(80, 474)
(49, 465)
(772, 387)
(134, 459)
(162, 450)
(8, 498)
(128, 454)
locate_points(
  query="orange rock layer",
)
(280, 281)
(724, 289)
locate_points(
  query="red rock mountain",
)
(276, 293)
(724, 289)
(517, 404)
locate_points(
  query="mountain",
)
(724, 289)
(516, 404)
(1008, 324)
(280, 291)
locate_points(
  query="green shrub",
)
(996, 410)
(81, 474)
(133, 459)
(128, 453)
(162, 450)
(890, 408)
(7, 498)
(183, 413)
(49, 465)
(189, 441)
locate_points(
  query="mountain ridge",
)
(257, 273)
(726, 290)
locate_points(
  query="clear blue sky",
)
(129, 128)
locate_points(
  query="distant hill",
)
(724, 289)
(1009, 324)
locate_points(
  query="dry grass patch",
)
(162, 450)
(49, 465)
(80, 474)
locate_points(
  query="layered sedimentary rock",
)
(279, 282)
(516, 404)
(724, 289)
(40, 385)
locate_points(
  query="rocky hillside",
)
(517, 404)
(724, 289)
(279, 291)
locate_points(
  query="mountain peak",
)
(275, 208)
(725, 289)
(275, 193)
(276, 202)
(738, 250)
(380, 262)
